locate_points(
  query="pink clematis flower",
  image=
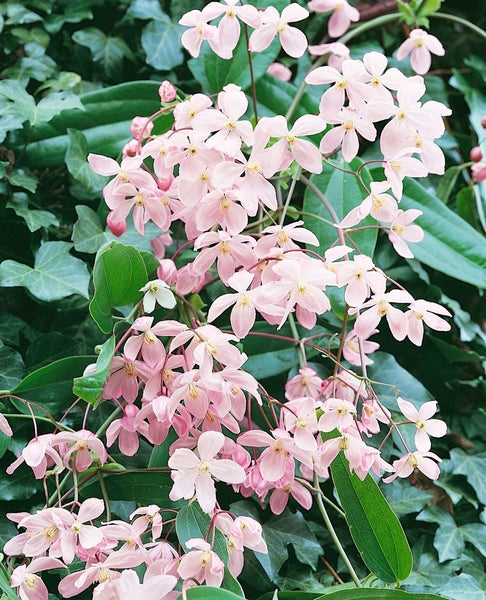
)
(340, 19)
(30, 586)
(420, 45)
(380, 306)
(426, 426)
(422, 312)
(191, 471)
(78, 532)
(202, 564)
(292, 39)
(423, 461)
(402, 231)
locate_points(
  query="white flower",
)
(157, 291)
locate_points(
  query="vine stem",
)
(332, 531)
(461, 21)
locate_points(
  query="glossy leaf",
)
(206, 592)
(105, 122)
(276, 96)
(373, 525)
(13, 368)
(377, 594)
(119, 273)
(450, 245)
(463, 587)
(192, 522)
(34, 219)
(77, 163)
(56, 274)
(343, 192)
(472, 466)
(106, 50)
(90, 387)
(88, 234)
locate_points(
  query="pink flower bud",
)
(164, 183)
(167, 91)
(478, 171)
(476, 154)
(483, 122)
(167, 271)
(117, 228)
(141, 127)
(130, 148)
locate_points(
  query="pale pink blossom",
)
(80, 448)
(199, 31)
(229, 26)
(420, 45)
(426, 426)
(403, 232)
(167, 92)
(478, 172)
(280, 496)
(348, 124)
(293, 40)
(305, 383)
(402, 165)
(338, 53)
(380, 306)
(381, 206)
(194, 472)
(202, 564)
(126, 430)
(78, 532)
(5, 427)
(420, 312)
(141, 127)
(340, 19)
(356, 355)
(39, 454)
(338, 414)
(30, 586)
(426, 462)
(361, 278)
(279, 71)
(154, 587)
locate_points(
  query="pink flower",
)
(141, 127)
(422, 461)
(167, 92)
(78, 532)
(422, 312)
(380, 306)
(422, 419)
(203, 564)
(420, 44)
(362, 278)
(349, 123)
(5, 427)
(191, 471)
(292, 39)
(199, 31)
(280, 71)
(157, 291)
(340, 19)
(401, 231)
(478, 171)
(30, 586)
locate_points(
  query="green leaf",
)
(77, 163)
(343, 192)
(88, 234)
(34, 219)
(108, 51)
(447, 182)
(429, 7)
(145, 487)
(105, 122)
(19, 487)
(56, 274)
(218, 71)
(373, 525)
(7, 591)
(13, 368)
(475, 533)
(192, 522)
(467, 205)
(450, 245)
(53, 104)
(405, 498)
(472, 466)
(463, 587)
(161, 43)
(206, 592)
(275, 97)
(376, 594)
(23, 179)
(119, 273)
(146, 9)
(90, 387)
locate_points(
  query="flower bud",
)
(483, 122)
(476, 154)
(130, 148)
(478, 171)
(117, 228)
(141, 127)
(167, 92)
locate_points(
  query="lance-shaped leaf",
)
(373, 525)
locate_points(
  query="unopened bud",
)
(478, 171)
(141, 127)
(117, 228)
(476, 154)
(483, 122)
(167, 92)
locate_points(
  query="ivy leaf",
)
(78, 165)
(147, 9)
(34, 219)
(463, 587)
(88, 234)
(108, 51)
(161, 43)
(472, 466)
(24, 179)
(56, 274)
(475, 533)
(13, 368)
(52, 105)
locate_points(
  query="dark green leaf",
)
(23, 179)
(34, 219)
(472, 466)
(192, 522)
(275, 97)
(108, 51)
(373, 525)
(13, 368)
(447, 182)
(89, 387)
(77, 163)
(161, 43)
(343, 192)
(405, 498)
(450, 244)
(88, 234)
(17, 487)
(147, 9)
(475, 533)
(467, 205)
(376, 594)
(56, 274)
(119, 273)
(463, 587)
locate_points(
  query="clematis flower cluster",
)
(212, 184)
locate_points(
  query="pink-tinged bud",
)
(483, 122)
(130, 148)
(478, 171)
(164, 183)
(280, 71)
(167, 92)
(476, 154)
(117, 228)
(141, 127)
(167, 271)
